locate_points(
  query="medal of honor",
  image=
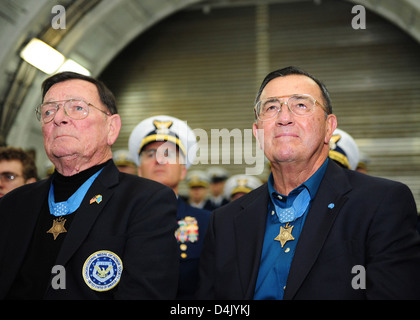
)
(60, 209)
(57, 227)
(285, 234)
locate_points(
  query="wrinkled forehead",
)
(289, 85)
(73, 89)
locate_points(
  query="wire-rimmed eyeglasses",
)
(76, 109)
(301, 105)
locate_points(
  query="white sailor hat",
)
(123, 158)
(343, 149)
(217, 174)
(363, 160)
(197, 178)
(241, 183)
(163, 128)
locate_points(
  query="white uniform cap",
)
(241, 183)
(217, 174)
(197, 178)
(123, 158)
(163, 128)
(344, 149)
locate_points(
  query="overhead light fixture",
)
(71, 65)
(42, 56)
(48, 60)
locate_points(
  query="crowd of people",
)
(119, 226)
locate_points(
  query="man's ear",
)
(183, 172)
(114, 127)
(331, 126)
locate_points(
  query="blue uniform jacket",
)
(189, 247)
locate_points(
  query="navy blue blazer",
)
(372, 225)
(189, 252)
(136, 220)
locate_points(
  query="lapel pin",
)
(97, 199)
(331, 205)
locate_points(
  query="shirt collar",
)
(312, 184)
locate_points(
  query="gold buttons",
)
(183, 247)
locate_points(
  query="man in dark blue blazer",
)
(89, 231)
(314, 230)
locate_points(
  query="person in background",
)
(216, 199)
(124, 162)
(198, 184)
(315, 230)
(344, 150)
(239, 185)
(164, 147)
(105, 234)
(364, 161)
(17, 167)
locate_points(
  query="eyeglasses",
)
(302, 105)
(73, 108)
(7, 177)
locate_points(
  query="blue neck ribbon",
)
(72, 204)
(297, 209)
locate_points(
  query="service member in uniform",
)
(344, 150)
(198, 187)
(88, 231)
(239, 185)
(124, 162)
(164, 148)
(217, 176)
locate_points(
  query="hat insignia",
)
(333, 141)
(242, 182)
(162, 127)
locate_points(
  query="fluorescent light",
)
(42, 56)
(71, 65)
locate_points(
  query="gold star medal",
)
(285, 234)
(57, 227)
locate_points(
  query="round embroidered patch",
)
(102, 270)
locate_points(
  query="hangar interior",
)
(203, 61)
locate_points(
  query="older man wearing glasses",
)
(314, 230)
(89, 231)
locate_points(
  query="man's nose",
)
(285, 116)
(161, 158)
(60, 115)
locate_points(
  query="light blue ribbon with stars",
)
(72, 204)
(297, 209)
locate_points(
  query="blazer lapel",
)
(249, 235)
(88, 212)
(324, 210)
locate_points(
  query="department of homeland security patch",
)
(102, 270)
